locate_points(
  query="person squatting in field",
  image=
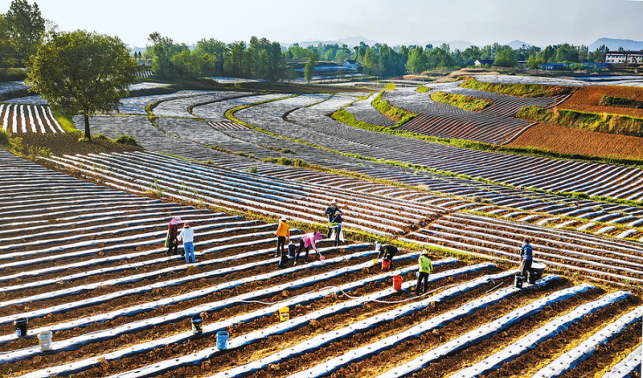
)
(526, 257)
(187, 235)
(426, 268)
(308, 241)
(283, 236)
(386, 254)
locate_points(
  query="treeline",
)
(260, 58)
(393, 61)
(22, 31)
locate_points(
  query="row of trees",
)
(260, 58)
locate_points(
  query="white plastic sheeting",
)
(484, 332)
(579, 354)
(541, 334)
(241, 341)
(326, 339)
(627, 366)
(212, 329)
(422, 328)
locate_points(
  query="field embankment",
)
(602, 123)
(460, 101)
(520, 90)
(588, 99)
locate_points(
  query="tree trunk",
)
(88, 136)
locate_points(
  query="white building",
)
(635, 57)
(352, 65)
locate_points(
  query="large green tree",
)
(25, 27)
(82, 73)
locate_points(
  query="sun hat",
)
(186, 225)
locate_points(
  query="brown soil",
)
(587, 99)
(167, 292)
(409, 350)
(272, 344)
(68, 144)
(567, 140)
(160, 354)
(528, 363)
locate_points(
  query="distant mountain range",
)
(614, 44)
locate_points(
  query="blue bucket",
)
(222, 340)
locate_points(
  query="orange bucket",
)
(386, 264)
(397, 283)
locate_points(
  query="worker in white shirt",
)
(187, 235)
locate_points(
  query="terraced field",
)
(494, 124)
(194, 136)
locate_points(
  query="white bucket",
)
(44, 338)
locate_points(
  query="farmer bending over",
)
(306, 242)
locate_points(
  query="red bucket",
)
(397, 283)
(386, 264)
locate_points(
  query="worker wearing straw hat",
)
(187, 235)
(283, 235)
(332, 211)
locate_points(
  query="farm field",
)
(588, 99)
(494, 124)
(573, 141)
(195, 136)
(120, 307)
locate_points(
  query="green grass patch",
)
(460, 101)
(621, 102)
(66, 123)
(400, 116)
(602, 123)
(520, 90)
(422, 89)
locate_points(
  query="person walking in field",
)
(283, 235)
(426, 268)
(332, 211)
(526, 257)
(308, 241)
(172, 233)
(187, 236)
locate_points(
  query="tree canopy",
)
(25, 28)
(82, 73)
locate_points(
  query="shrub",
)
(127, 139)
(252, 169)
(103, 137)
(4, 138)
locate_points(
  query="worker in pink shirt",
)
(308, 241)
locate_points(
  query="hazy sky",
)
(481, 22)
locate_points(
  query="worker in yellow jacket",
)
(283, 235)
(426, 268)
